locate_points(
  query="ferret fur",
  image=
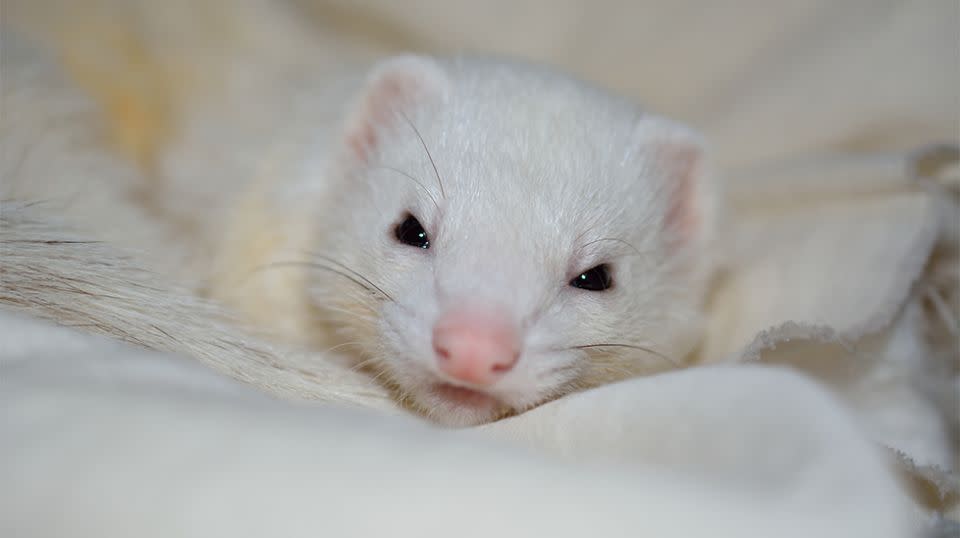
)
(538, 176)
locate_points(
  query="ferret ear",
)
(393, 87)
(678, 157)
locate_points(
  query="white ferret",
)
(480, 235)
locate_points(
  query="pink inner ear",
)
(378, 106)
(362, 141)
(683, 166)
(397, 85)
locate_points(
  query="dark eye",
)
(412, 233)
(596, 279)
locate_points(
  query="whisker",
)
(333, 314)
(314, 265)
(424, 144)
(630, 346)
(350, 296)
(362, 364)
(586, 231)
(338, 346)
(635, 249)
(354, 272)
(415, 180)
(334, 309)
(377, 377)
(343, 271)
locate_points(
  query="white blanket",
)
(104, 440)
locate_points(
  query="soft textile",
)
(839, 248)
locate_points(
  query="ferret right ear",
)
(393, 87)
(678, 157)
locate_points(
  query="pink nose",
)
(475, 346)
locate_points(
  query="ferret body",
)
(479, 235)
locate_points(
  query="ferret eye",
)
(596, 279)
(412, 233)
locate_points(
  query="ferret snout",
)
(476, 345)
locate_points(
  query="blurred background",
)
(766, 79)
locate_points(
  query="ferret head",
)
(500, 235)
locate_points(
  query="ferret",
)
(480, 235)
(477, 235)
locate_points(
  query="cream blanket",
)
(103, 440)
(113, 438)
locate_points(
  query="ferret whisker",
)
(362, 364)
(635, 249)
(585, 231)
(415, 180)
(629, 346)
(340, 310)
(327, 312)
(353, 272)
(379, 376)
(429, 156)
(342, 270)
(339, 319)
(338, 346)
(351, 299)
(350, 296)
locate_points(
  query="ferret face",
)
(501, 235)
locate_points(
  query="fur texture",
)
(523, 179)
(504, 164)
(55, 274)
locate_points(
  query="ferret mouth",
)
(464, 397)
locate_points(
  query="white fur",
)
(56, 274)
(544, 177)
(538, 178)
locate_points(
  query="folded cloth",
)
(109, 439)
(846, 268)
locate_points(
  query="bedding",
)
(825, 398)
(104, 440)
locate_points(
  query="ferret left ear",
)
(393, 88)
(678, 158)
